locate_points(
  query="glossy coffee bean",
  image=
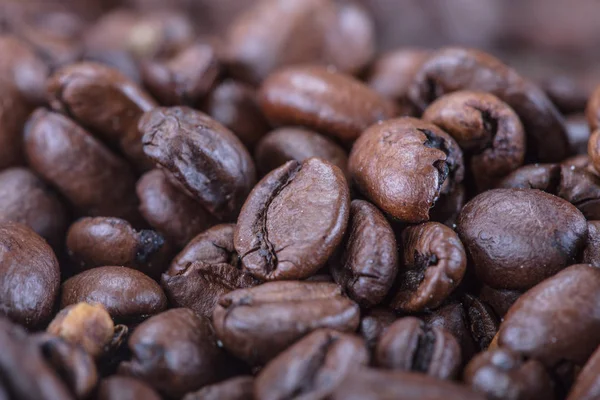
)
(125, 388)
(26, 199)
(410, 345)
(541, 323)
(368, 263)
(433, 265)
(312, 367)
(106, 102)
(287, 144)
(453, 68)
(203, 156)
(258, 323)
(238, 388)
(175, 352)
(510, 240)
(323, 100)
(100, 241)
(128, 295)
(169, 210)
(403, 165)
(374, 323)
(504, 375)
(293, 220)
(29, 276)
(488, 131)
(94, 180)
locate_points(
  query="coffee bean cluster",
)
(279, 212)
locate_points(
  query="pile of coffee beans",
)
(269, 208)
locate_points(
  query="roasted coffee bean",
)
(587, 386)
(94, 180)
(374, 323)
(488, 131)
(175, 352)
(569, 94)
(258, 323)
(376, 384)
(235, 105)
(29, 276)
(170, 210)
(203, 156)
(368, 263)
(556, 320)
(313, 367)
(504, 375)
(238, 388)
(128, 295)
(433, 265)
(125, 388)
(323, 100)
(207, 268)
(184, 79)
(293, 220)
(287, 144)
(510, 240)
(100, 241)
(592, 110)
(409, 345)
(451, 69)
(591, 252)
(403, 165)
(26, 199)
(500, 300)
(13, 114)
(104, 101)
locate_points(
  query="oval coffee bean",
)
(312, 367)
(175, 352)
(510, 240)
(125, 388)
(293, 220)
(26, 199)
(29, 276)
(203, 156)
(433, 265)
(323, 100)
(258, 323)
(403, 165)
(106, 102)
(453, 68)
(170, 210)
(128, 295)
(368, 263)
(100, 241)
(93, 179)
(556, 320)
(374, 323)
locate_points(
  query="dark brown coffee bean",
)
(93, 179)
(591, 252)
(128, 295)
(504, 375)
(238, 388)
(175, 352)
(104, 101)
(453, 68)
(293, 220)
(203, 155)
(433, 265)
(13, 114)
(100, 241)
(235, 105)
(556, 320)
(592, 111)
(26, 199)
(313, 367)
(323, 100)
(258, 323)
(512, 243)
(374, 323)
(184, 79)
(368, 263)
(403, 165)
(287, 144)
(376, 384)
(125, 388)
(170, 210)
(500, 300)
(29, 276)
(570, 95)
(409, 345)
(488, 131)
